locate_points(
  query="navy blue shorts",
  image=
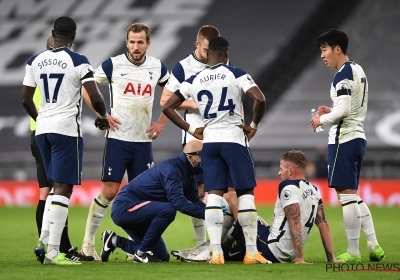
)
(134, 157)
(62, 157)
(237, 250)
(227, 164)
(344, 163)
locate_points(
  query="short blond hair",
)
(296, 157)
(139, 27)
(207, 32)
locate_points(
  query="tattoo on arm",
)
(292, 213)
(322, 223)
(320, 218)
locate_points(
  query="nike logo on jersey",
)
(106, 248)
(122, 74)
(233, 254)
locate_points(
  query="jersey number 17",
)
(59, 78)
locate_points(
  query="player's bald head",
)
(50, 42)
(193, 147)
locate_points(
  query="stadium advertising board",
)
(374, 192)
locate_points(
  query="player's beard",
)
(138, 60)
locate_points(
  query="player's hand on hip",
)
(248, 130)
(322, 110)
(114, 122)
(101, 124)
(315, 122)
(198, 133)
(154, 130)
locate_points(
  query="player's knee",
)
(168, 213)
(110, 189)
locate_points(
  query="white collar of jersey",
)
(131, 61)
(195, 57)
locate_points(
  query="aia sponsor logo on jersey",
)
(130, 88)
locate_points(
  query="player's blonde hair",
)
(207, 32)
(139, 27)
(296, 157)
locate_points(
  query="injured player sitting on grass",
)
(297, 208)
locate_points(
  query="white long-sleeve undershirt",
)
(340, 111)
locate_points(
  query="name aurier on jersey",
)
(52, 61)
(208, 78)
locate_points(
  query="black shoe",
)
(75, 256)
(108, 247)
(145, 257)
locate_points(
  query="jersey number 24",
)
(221, 107)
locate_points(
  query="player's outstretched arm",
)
(169, 110)
(292, 213)
(27, 101)
(325, 232)
(187, 104)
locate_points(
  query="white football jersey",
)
(217, 91)
(351, 80)
(132, 88)
(58, 73)
(291, 192)
(182, 71)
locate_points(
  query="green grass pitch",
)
(18, 238)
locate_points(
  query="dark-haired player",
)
(60, 73)
(227, 161)
(184, 69)
(347, 142)
(46, 185)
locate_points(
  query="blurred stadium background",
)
(272, 40)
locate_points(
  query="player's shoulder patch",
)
(283, 184)
(345, 72)
(77, 58)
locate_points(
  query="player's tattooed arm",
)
(293, 216)
(320, 218)
(325, 232)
